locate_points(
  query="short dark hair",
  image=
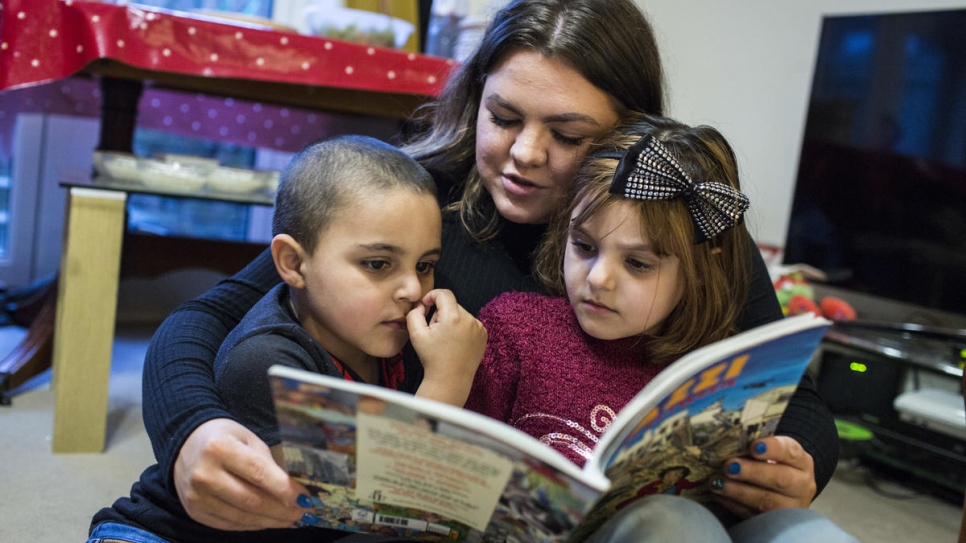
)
(326, 175)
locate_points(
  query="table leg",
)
(86, 309)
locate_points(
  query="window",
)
(189, 217)
(186, 217)
(256, 8)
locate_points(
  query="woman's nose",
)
(528, 148)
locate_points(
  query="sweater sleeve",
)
(178, 386)
(762, 305)
(495, 384)
(807, 419)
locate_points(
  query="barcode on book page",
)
(403, 522)
(412, 524)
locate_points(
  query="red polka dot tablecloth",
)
(43, 42)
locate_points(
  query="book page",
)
(408, 465)
(702, 418)
(383, 462)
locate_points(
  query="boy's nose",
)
(410, 289)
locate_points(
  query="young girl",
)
(648, 262)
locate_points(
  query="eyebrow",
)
(637, 247)
(394, 249)
(497, 100)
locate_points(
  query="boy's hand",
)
(227, 479)
(779, 475)
(450, 347)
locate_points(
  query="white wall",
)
(745, 67)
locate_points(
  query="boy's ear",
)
(288, 255)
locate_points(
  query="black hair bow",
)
(648, 171)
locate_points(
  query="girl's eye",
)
(582, 247)
(567, 140)
(501, 122)
(425, 268)
(638, 265)
(375, 265)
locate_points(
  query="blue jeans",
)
(672, 518)
(110, 532)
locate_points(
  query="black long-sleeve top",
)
(179, 390)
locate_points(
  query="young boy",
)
(356, 238)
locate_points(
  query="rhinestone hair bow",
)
(647, 171)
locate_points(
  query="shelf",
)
(918, 346)
(131, 187)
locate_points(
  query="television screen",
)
(880, 197)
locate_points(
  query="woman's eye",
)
(375, 265)
(501, 122)
(425, 267)
(567, 140)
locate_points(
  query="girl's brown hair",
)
(715, 274)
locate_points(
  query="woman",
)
(503, 142)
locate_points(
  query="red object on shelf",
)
(45, 40)
(284, 90)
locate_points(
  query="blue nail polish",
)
(760, 447)
(734, 468)
(303, 501)
(309, 519)
(717, 484)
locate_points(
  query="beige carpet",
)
(47, 497)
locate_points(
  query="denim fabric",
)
(789, 526)
(662, 518)
(112, 532)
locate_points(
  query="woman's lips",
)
(518, 186)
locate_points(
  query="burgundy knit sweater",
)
(543, 375)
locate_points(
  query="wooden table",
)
(86, 306)
(129, 48)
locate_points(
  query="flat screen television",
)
(880, 196)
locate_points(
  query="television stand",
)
(903, 384)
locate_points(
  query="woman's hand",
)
(450, 347)
(779, 475)
(226, 479)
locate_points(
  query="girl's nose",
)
(600, 276)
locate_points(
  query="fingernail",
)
(309, 519)
(734, 468)
(760, 447)
(303, 501)
(717, 484)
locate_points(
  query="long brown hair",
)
(715, 274)
(609, 42)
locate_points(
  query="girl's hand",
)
(450, 346)
(227, 479)
(779, 475)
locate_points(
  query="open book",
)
(386, 462)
